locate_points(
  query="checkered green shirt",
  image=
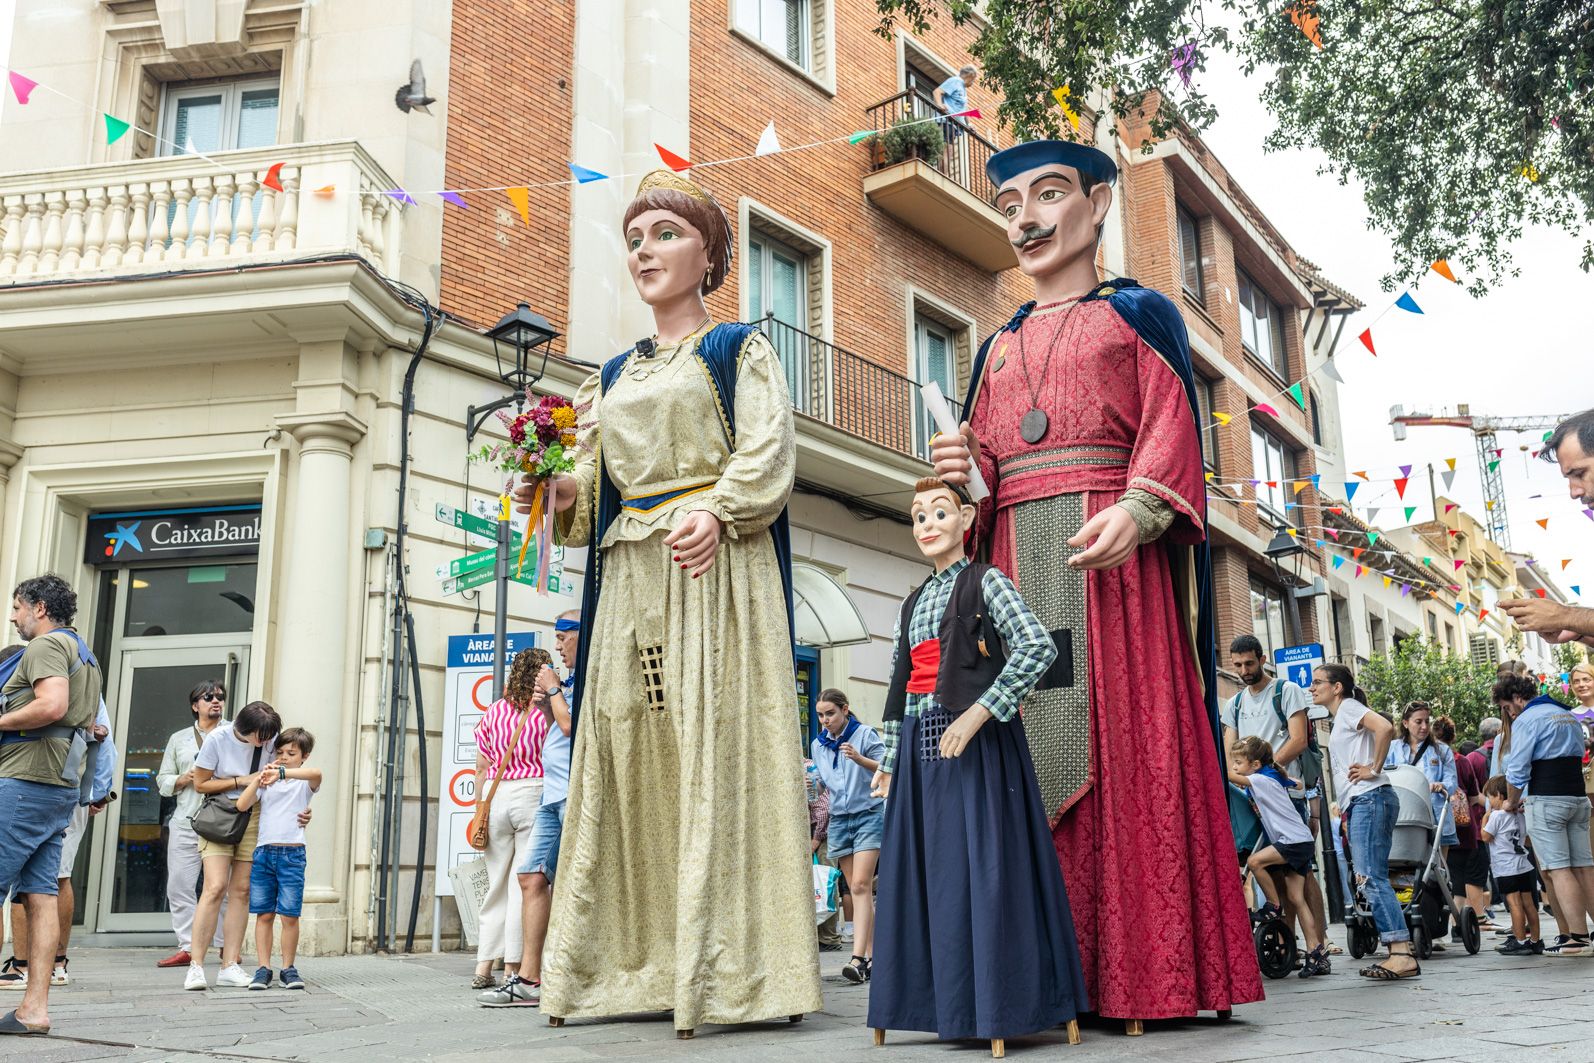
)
(1030, 650)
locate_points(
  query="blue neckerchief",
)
(1272, 772)
(834, 744)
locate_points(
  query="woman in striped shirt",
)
(514, 807)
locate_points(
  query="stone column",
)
(10, 451)
(312, 653)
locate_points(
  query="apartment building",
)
(184, 345)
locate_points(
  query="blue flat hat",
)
(1092, 162)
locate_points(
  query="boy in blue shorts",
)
(276, 878)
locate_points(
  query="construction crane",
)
(1483, 429)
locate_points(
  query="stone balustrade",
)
(191, 212)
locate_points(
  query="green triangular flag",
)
(1495, 464)
(1372, 537)
(1294, 392)
(1409, 511)
(860, 135)
(115, 128)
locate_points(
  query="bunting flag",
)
(1459, 563)
(1482, 613)
(1386, 581)
(273, 178)
(454, 198)
(1184, 61)
(1359, 571)
(1460, 608)
(1531, 173)
(1328, 370)
(1405, 470)
(1223, 419)
(1441, 267)
(1453, 532)
(1295, 392)
(1334, 532)
(1304, 15)
(1428, 561)
(401, 196)
(1299, 485)
(1357, 552)
(1543, 522)
(1577, 590)
(1372, 538)
(1449, 477)
(1061, 94)
(1410, 512)
(1291, 532)
(326, 191)
(1317, 480)
(1564, 562)
(1408, 304)
(1362, 474)
(1495, 464)
(115, 129)
(1263, 407)
(1350, 490)
(1539, 591)
(1338, 560)
(22, 86)
(585, 176)
(671, 159)
(1405, 589)
(1367, 341)
(521, 198)
(1451, 462)
(1400, 486)
(1448, 507)
(1372, 513)
(1489, 505)
(1289, 506)
(768, 142)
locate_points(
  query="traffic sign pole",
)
(501, 606)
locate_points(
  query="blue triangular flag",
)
(1577, 590)
(1338, 560)
(585, 176)
(1350, 490)
(1407, 303)
(1289, 506)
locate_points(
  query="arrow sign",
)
(468, 580)
(470, 522)
(469, 563)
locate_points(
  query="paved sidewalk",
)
(392, 1009)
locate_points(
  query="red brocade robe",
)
(1126, 757)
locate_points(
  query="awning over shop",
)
(825, 615)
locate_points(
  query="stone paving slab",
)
(376, 1009)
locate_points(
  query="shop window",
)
(1262, 326)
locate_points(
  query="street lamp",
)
(516, 336)
(1282, 546)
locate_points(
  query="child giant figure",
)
(973, 937)
(1082, 419)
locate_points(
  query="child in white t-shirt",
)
(276, 878)
(1290, 844)
(1506, 833)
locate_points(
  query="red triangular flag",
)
(1448, 507)
(1482, 613)
(1367, 341)
(1357, 552)
(273, 178)
(1539, 591)
(1400, 486)
(672, 160)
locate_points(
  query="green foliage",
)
(1566, 657)
(1433, 108)
(1419, 670)
(910, 138)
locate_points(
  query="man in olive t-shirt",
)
(55, 689)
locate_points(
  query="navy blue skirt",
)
(973, 936)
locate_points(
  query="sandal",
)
(483, 981)
(857, 970)
(1379, 973)
(10, 1024)
(1335, 950)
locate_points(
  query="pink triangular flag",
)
(1263, 407)
(22, 86)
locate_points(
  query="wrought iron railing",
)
(834, 385)
(966, 154)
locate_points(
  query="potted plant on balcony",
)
(909, 138)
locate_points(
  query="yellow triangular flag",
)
(521, 198)
(1298, 484)
(1441, 267)
(1223, 419)
(1531, 172)
(1061, 95)
(1452, 463)
(1386, 581)
(1489, 505)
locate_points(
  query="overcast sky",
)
(1500, 353)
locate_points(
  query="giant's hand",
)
(696, 542)
(956, 738)
(954, 456)
(564, 494)
(1116, 535)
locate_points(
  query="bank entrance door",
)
(170, 628)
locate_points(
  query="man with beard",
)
(1082, 421)
(1571, 445)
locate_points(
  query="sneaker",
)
(14, 974)
(196, 978)
(59, 975)
(1537, 947)
(233, 977)
(1438, 946)
(262, 978)
(1568, 946)
(291, 979)
(1455, 937)
(512, 994)
(180, 958)
(1513, 947)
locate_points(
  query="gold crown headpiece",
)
(674, 182)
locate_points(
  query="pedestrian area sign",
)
(1296, 663)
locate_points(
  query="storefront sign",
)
(170, 534)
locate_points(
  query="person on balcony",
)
(952, 96)
(1082, 418)
(684, 879)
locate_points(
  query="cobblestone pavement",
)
(390, 1009)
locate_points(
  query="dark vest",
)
(972, 654)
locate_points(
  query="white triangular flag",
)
(1449, 477)
(768, 143)
(1329, 371)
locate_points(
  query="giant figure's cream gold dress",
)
(683, 880)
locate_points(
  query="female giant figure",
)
(683, 876)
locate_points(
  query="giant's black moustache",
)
(1033, 233)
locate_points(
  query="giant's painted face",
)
(1051, 221)
(667, 256)
(940, 521)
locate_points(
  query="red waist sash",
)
(926, 657)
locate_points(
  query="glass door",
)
(933, 354)
(778, 285)
(152, 703)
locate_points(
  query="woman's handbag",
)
(477, 834)
(218, 819)
(1460, 809)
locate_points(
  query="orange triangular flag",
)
(672, 160)
(521, 198)
(1362, 474)
(1441, 267)
(326, 190)
(1564, 562)
(1543, 523)
(1305, 19)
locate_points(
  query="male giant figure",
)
(1081, 417)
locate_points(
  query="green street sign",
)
(468, 580)
(458, 518)
(469, 563)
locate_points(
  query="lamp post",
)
(1286, 545)
(516, 336)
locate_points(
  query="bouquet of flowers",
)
(542, 444)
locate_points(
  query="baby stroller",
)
(1418, 873)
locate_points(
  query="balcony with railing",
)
(845, 390)
(196, 212)
(949, 199)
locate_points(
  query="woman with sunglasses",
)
(176, 779)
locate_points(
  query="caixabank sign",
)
(173, 534)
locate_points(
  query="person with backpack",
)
(1275, 711)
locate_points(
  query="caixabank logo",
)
(117, 538)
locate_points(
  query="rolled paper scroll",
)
(936, 406)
